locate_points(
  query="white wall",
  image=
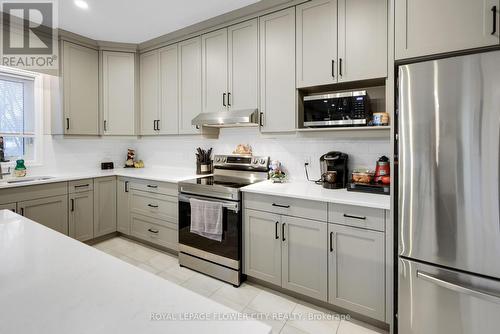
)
(78, 154)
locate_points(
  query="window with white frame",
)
(20, 114)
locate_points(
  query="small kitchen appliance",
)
(334, 170)
(337, 110)
(220, 259)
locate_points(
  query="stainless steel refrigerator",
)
(448, 195)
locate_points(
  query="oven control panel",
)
(241, 162)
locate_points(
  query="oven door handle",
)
(233, 206)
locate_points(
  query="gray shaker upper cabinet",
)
(426, 27)
(277, 71)
(150, 91)
(230, 58)
(316, 43)
(362, 44)
(159, 92)
(243, 65)
(189, 78)
(118, 93)
(214, 70)
(80, 76)
(168, 121)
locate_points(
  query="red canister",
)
(383, 168)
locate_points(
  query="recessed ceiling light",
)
(81, 4)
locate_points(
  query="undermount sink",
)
(29, 179)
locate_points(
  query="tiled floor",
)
(248, 298)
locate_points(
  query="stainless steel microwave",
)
(339, 109)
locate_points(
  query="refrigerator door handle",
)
(458, 288)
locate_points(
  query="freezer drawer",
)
(438, 301)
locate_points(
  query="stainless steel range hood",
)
(228, 119)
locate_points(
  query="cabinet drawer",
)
(153, 230)
(154, 205)
(287, 206)
(27, 193)
(357, 216)
(154, 187)
(79, 186)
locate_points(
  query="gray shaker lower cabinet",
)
(262, 246)
(104, 206)
(81, 217)
(356, 270)
(305, 256)
(123, 206)
(9, 206)
(50, 211)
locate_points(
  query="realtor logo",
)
(29, 38)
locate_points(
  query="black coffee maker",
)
(334, 170)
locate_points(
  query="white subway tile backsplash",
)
(62, 154)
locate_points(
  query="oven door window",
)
(231, 236)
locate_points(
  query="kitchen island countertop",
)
(54, 284)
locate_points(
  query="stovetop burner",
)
(231, 172)
(219, 180)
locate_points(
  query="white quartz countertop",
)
(53, 284)
(314, 192)
(163, 174)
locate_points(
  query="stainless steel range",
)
(220, 259)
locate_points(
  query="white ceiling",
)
(135, 21)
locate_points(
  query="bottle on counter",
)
(20, 169)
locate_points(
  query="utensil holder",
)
(202, 168)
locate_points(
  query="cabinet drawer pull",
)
(67, 123)
(72, 205)
(152, 186)
(331, 241)
(333, 68)
(281, 206)
(82, 185)
(224, 99)
(228, 99)
(283, 232)
(153, 231)
(340, 66)
(494, 10)
(261, 121)
(158, 124)
(126, 186)
(354, 217)
(152, 206)
(276, 236)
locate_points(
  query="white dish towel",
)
(206, 219)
